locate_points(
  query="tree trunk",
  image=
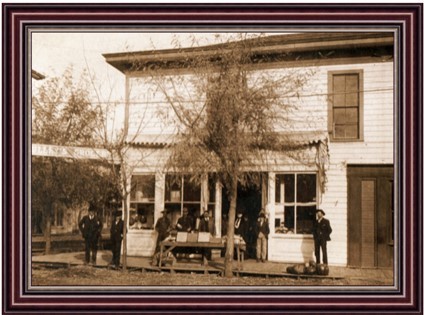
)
(48, 230)
(124, 240)
(229, 253)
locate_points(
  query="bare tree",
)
(117, 137)
(63, 115)
(229, 109)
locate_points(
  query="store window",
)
(142, 202)
(296, 202)
(182, 191)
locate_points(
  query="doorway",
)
(250, 202)
(370, 216)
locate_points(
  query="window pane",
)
(351, 131)
(339, 90)
(278, 181)
(352, 115)
(339, 100)
(352, 99)
(143, 216)
(191, 190)
(143, 188)
(339, 131)
(288, 181)
(172, 188)
(339, 83)
(306, 188)
(305, 217)
(352, 82)
(339, 116)
(289, 218)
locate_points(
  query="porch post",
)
(271, 202)
(218, 208)
(159, 195)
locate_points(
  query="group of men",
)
(91, 227)
(186, 223)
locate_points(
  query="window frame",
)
(330, 76)
(295, 204)
(135, 202)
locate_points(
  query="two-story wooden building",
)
(347, 107)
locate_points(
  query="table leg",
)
(160, 256)
(238, 257)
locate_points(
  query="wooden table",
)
(167, 246)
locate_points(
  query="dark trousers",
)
(321, 244)
(116, 252)
(160, 238)
(91, 248)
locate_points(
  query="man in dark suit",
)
(116, 236)
(90, 227)
(162, 227)
(185, 223)
(321, 232)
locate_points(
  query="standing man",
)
(91, 228)
(162, 227)
(116, 236)
(261, 232)
(321, 232)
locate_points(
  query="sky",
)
(53, 52)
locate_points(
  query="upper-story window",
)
(345, 110)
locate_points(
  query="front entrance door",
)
(249, 201)
(370, 216)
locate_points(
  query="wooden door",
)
(370, 216)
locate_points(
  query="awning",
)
(298, 138)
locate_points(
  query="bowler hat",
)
(320, 210)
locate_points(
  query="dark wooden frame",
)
(407, 18)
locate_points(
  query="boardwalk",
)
(250, 267)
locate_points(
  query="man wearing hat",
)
(162, 227)
(321, 232)
(90, 227)
(116, 236)
(261, 232)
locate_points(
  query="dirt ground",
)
(94, 276)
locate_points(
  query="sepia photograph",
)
(250, 164)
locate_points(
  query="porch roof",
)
(297, 138)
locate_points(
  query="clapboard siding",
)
(150, 112)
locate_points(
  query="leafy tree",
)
(228, 113)
(64, 115)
